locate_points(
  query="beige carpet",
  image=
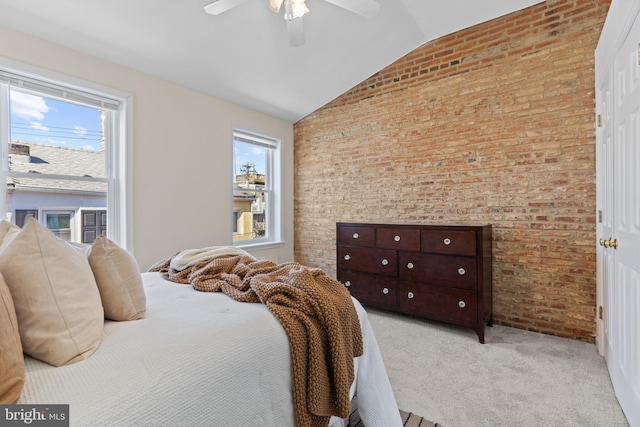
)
(518, 378)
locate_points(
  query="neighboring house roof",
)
(252, 181)
(35, 159)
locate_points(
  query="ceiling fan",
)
(295, 9)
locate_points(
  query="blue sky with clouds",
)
(249, 153)
(52, 122)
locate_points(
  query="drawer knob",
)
(410, 295)
(347, 283)
(385, 291)
(461, 271)
(355, 235)
(462, 304)
(410, 265)
(347, 257)
(397, 238)
(385, 262)
(447, 241)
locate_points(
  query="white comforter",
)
(197, 359)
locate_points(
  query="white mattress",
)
(197, 359)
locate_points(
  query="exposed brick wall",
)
(492, 124)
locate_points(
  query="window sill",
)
(259, 245)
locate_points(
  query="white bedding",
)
(197, 359)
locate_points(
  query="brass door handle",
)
(609, 243)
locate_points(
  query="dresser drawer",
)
(368, 260)
(398, 238)
(454, 271)
(456, 242)
(356, 236)
(370, 289)
(449, 305)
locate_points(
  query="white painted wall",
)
(182, 152)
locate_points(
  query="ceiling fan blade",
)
(296, 32)
(366, 8)
(274, 5)
(219, 6)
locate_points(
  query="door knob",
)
(609, 243)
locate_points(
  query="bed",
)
(196, 359)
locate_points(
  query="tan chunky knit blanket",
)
(315, 311)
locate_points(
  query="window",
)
(63, 144)
(22, 215)
(256, 189)
(236, 221)
(59, 223)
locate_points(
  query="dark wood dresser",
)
(439, 272)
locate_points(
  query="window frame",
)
(26, 214)
(60, 211)
(118, 146)
(273, 188)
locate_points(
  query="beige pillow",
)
(119, 281)
(56, 298)
(7, 232)
(4, 227)
(11, 358)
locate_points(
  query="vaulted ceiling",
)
(243, 55)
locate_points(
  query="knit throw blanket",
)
(315, 311)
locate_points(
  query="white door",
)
(604, 196)
(619, 195)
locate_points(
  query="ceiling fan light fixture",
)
(298, 8)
